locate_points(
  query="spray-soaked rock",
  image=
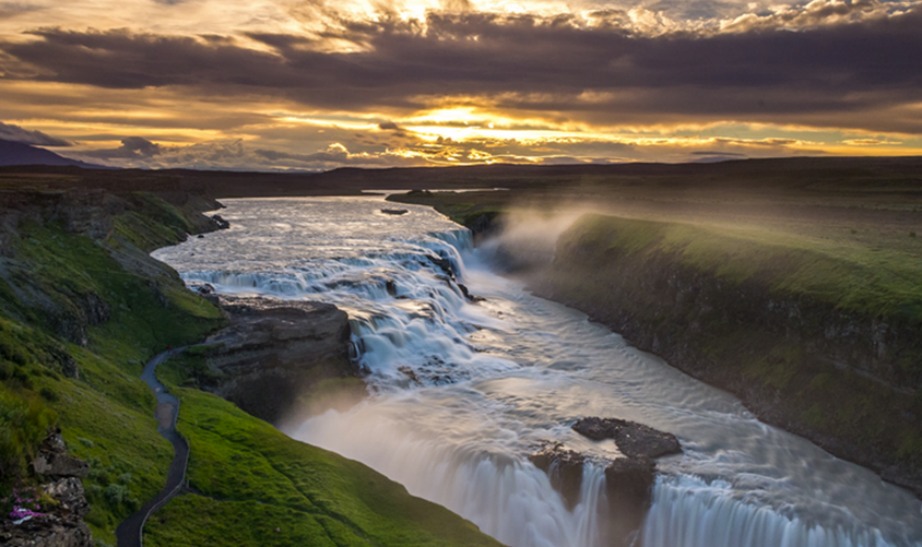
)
(629, 487)
(565, 469)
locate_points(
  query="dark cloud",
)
(389, 126)
(133, 148)
(855, 71)
(9, 132)
(12, 9)
(235, 155)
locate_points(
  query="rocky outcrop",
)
(633, 440)
(53, 460)
(273, 351)
(629, 489)
(565, 469)
(59, 522)
(628, 480)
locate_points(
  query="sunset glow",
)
(275, 84)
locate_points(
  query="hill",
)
(16, 153)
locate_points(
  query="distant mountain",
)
(17, 153)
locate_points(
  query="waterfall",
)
(462, 391)
(692, 512)
(509, 499)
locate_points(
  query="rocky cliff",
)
(273, 354)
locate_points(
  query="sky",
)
(315, 85)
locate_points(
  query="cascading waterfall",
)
(463, 391)
(692, 512)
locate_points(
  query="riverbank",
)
(83, 307)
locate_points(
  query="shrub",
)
(27, 420)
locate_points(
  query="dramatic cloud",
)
(464, 81)
(133, 148)
(18, 134)
(760, 75)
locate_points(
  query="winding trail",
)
(129, 532)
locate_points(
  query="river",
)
(462, 392)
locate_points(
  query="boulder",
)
(634, 440)
(60, 524)
(219, 223)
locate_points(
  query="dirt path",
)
(129, 532)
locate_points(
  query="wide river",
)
(462, 392)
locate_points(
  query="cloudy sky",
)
(317, 84)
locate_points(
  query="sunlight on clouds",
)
(318, 17)
(339, 82)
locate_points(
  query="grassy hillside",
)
(846, 275)
(75, 328)
(251, 483)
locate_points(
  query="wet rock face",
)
(273, 351)
(634, 440)
(219, 223)
(565, 469)
(629, 488)
(628, 480)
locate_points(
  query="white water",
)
(496, 378)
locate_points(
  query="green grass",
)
(850, 277)
(463, 207)
(259, 487)
(51, 282)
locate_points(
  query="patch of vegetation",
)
(258, 486)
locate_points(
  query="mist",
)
(527, 238)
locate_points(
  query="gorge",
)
(464, 389)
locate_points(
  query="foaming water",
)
(462, 392)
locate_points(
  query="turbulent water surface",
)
(463, 391)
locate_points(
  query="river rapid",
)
(462, 392)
